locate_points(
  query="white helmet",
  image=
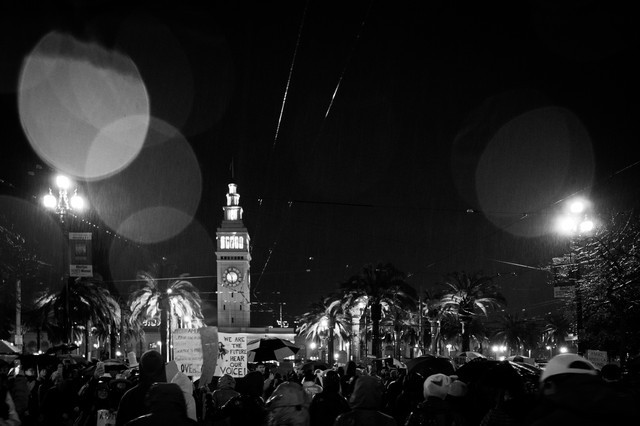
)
(568, 364)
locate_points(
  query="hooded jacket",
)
(132, 404)
(365, 402)
(167, 407)
(248, 408)
(186, 386)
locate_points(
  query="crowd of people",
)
(569, 391)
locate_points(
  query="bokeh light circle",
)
(84, 109)
(531, 162)
(157, 195)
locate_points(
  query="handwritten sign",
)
(232, 355)
(187, 351)
(598, 358)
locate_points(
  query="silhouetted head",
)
(152, 367)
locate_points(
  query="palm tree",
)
(375, 285)
(90, 302)
(400, 321)
(433, 309)
(466, 296)
(182, 301)
(513, 331)
(326, 317)
(556, 328)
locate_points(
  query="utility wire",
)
(286, 90)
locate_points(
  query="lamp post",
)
(576, 223)
(62, 204)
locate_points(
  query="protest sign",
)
(598, 358)
(232, 355)
(171, 369)
(187, 351)
(209, 338)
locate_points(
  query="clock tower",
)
(233, 259)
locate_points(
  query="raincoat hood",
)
(152, 367)
(166, 397)
(183, 381)
(367, 393)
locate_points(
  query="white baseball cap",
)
(568, 364)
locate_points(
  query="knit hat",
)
(568, 364)
(436, 385)
(457, 388)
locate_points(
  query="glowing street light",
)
(62, 204)
(575, 223)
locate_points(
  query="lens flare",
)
(84, 109)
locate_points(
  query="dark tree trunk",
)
(376, 315)
(435, 335)
(465, 320)
(330, 348)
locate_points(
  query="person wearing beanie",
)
(366, 405)
(433, 410)
(152, 370)
(572, 392)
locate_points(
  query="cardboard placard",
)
(232, 355)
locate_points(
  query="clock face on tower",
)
(231, 277)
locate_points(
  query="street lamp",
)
(575, 222)
(62, 204)
(498, 349)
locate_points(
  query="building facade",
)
(233, 259)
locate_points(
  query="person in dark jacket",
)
(366, 403)
(166, 405)
(573, 393)
(348, 380)
(433, 411)
(132, 404)
(248, 408)
(215, 401)
(409, 398)
(329, 404)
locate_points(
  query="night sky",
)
(439, 137)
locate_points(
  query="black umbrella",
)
(270, 349)
(426, 365)
(63, 348)
(508, 375)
